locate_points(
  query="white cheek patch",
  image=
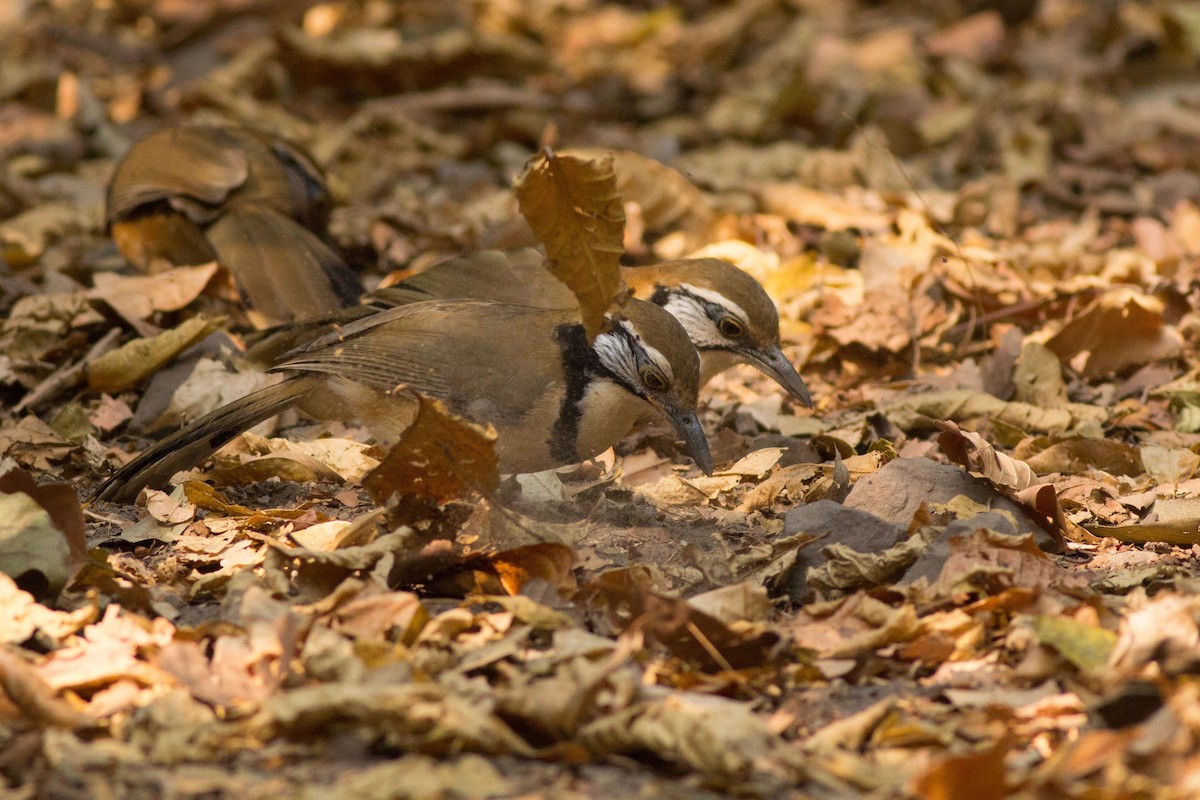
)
(654, 355)
(695, 320)
(614, 354)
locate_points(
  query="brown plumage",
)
(726, 313)
(192, 194)
(553, 398)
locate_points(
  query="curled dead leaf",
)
(33, 551)
(1123, 328)
(137, 297)
(573, 206)
(667, 198)
(715, 736)
(36, 699)
(411, 716)
(685, 630)
(975, 453)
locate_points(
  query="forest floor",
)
(969, 571)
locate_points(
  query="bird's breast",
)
(606, 413)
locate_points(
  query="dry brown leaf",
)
(856, 626)
(746, 601)
(973, 452)
(686, 631)
(848, 569)
(33, 552)
(996, 561)
(398, 616)
(33, 443)
(24, 616)
(921, 411)
(60, 502)
(573, 206)
(1169, 465)
(979, 776)
(170, 509)
(714, 736)
(548, 561)
(1123, 328)
(295, 467)
(137, 297)
(826, 210)
(1037, 376)
(36, 699)
(1164, 632)
(411, 716)
(112, 649)
(440, 457)
(578, 690)
(1081, 455)
(420, 776)
(668, 200)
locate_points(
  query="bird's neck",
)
(606, 413)
(714, 361)
(596, 410)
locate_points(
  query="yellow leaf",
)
(1085, 646)
(127, 366)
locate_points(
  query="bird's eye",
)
(731, 327)
(653, 379)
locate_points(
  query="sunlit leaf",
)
(440, 457)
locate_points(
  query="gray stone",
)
(854, 528)
(929, 564)
(896, 491)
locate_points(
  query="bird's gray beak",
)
(773, 362)
(687, 424)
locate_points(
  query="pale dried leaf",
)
(130, 364)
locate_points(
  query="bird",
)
(191, 194)
(554, 398)
(728, 316)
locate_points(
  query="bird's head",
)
(647, 352)
(726, 313)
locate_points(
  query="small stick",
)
(67, 377)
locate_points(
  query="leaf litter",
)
(969, 572)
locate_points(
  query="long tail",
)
(194, 442)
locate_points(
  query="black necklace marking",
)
(579, 363)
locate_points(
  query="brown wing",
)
(193, 168)
(518, 277)
(281, 177)
(489, 361)
(285, 271)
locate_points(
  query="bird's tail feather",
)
(194, 442)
